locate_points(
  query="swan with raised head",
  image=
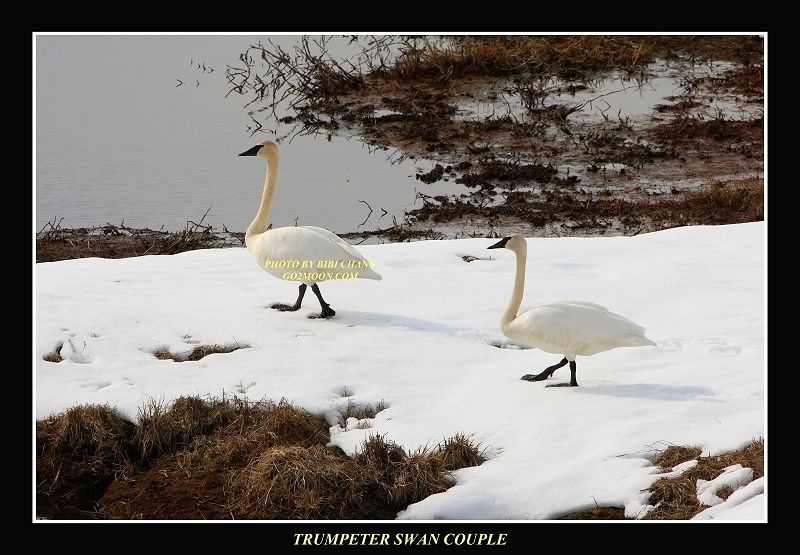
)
(568, 328)
(303, 253)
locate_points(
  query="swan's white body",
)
(307, 244)
(568, 328)
(304, 253)
(573, 328)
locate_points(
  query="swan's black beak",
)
(500, 244)
(252, 152)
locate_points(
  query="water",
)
(118, 139)
(619, 95)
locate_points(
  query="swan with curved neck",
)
(303, 253)
(569, 328)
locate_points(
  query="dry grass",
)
(228, 458)
(78, 454)
(254, 428)
(596, 513)
(165, 429)
(300, 482)
(675, 455)
(676, 498)
(55, 356)
(736, 201)
(566, 56)
(419, 475)
(359, 412)
(686, 129)
(54, 242)
(471, 56)
(198, 352)
(459, 452)
(721, 203)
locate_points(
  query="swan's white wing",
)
(306, 245)
(578, 328)
(584, 303)
(348, 248)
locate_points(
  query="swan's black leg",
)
(297, 303)
(327, 311)
(572, 368)
(547, 372)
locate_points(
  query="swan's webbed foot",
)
(563, 385)
(285, 307)
(296, 306)
(546, 373)
(535, 377)
(327, 312)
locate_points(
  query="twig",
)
(368, 215)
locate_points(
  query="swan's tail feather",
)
(636, 341)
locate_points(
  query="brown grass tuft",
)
(675, 455)
(676, 498)
(480, 56)
(596, 513)
(686, 129)
(198, 352)
(360, 412)
(254, 428)
(565, 56)
(378, 453)
(231, 458)
(55, 356)
(737, 202)
(78, 453)
(459, 452)
(162, 430)
(299, 482)
(419, 475)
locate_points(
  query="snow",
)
(746, 503)
(679, 469)
(734, 476)
(421, 341)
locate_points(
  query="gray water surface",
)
(119, 138)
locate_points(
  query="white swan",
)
(304, 253)
(569, 328)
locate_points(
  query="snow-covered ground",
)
(420, 340)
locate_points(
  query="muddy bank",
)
(545, 136)
(54, 242)
(534, 128)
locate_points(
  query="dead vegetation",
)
(419, 83)
(596, 513)
(523, 170)
(78, 454)
(228, 458)
(732, 202)
(674, 455)
(54, 242)
(197, 353)
(55, 355)
(676, 498)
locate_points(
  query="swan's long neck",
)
(259, 223)
(519, 288)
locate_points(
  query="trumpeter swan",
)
(569, 328)
(304, 253)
